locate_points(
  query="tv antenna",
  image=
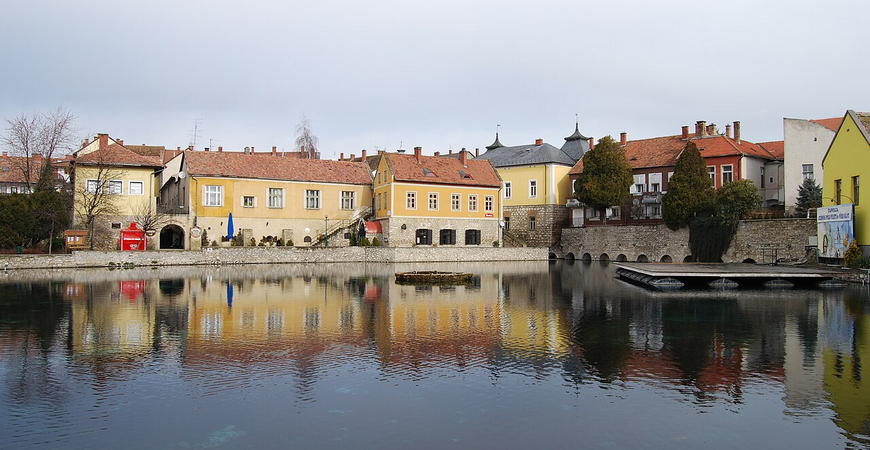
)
(195, 133)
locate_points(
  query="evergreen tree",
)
(735, 200)
(809, 196)
(606, 176)
(690, 193)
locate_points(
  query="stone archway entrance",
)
(172, 237)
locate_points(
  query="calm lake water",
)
(530, 355)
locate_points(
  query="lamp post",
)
(326, 231)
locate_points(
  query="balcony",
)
(652, 198)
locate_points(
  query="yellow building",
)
(436, 200)
(268, 195)
(111, 187)
(537, 187)
(846, 162)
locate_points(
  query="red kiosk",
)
(133, 239)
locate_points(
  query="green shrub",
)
(495, 243)
(365, 242)
(376, 242)
(853, 256)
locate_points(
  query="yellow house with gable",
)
(846, 162)
(269, 195)
(436, 200)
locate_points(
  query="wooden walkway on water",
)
(725, 276)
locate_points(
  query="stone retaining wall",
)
(269, 255)
(761, 241)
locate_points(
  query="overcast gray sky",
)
(439, 75)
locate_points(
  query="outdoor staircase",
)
(511, 240)
(338, 226)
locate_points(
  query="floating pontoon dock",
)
(725, 276)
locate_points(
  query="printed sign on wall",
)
(836, 229)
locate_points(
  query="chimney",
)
(352, 156)
(104, 140)
(220, 149)
(591, 143)
(711, 129)
(418, 154)
(341, 156)
(622, 138)
(685, 132)
(477, 152)
(206, 149)
(728, 130)
(463, 158)
(380, 152)
(539, 142)
(737, 131)
(274, 150)
(5, 154)
(701, 128)
(120, 142)
(85, 144)
(439, 153)
(252, 150)
(364, 155)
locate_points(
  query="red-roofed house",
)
(111, 184)
(653, 161)
(268, 194)
(433, 200)
(805, 143)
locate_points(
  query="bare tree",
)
(305, 138)
(94, 196)
(149, 218)
(38, 138)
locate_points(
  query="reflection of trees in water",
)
(601, 329)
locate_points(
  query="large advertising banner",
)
(836, 229)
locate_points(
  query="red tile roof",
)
(775, 148)
(832, 124)
(12, 169)
(117, 155)
(275, 167)
(440, 170)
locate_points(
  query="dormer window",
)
(465, 176)
(428, 173)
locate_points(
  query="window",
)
(838, 190)
(454, 201)
(727, 174)
(348, 200)
(386, 201)
(507, 223)
(712, 172)
(248, 201)
(472, 237)
(115, 187)
(424, 236)
(655, 187)
(433, 200)
(507, 189)
(312, 199)
(762, 177)
(488, 203)
(533, 188)
(807, 171)
(639, 184)
(136, 188)
(448, 237)
(379, 178)
(213, 196)
(411, 200)
(276, 197)
(92, 186)
(855, 181)
(472, 202)
(531, 223)
(378, 202)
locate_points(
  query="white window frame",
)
(807, 171)
(115, 187)
(711, 171)
(508, 190)
(456, 202)
(533, 188)
(472, 202)
(275, 197)
(92, 186)
(348, 200)
(488, 203)
(411, 200)
(253, 201)
(212, 195)
(433, 201)
(312, 199)
(131, 191)
(730, 173)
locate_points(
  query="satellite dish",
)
(182, 174)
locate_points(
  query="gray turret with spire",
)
(575, 145)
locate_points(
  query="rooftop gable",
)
(439, 170)
(832, 124)
(117, 155)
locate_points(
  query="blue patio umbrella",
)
(231, 229)
(230, 294)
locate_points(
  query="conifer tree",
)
(809, 196)
(606, 176)
(690, 193)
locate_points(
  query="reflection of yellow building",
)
(111, 318)
(844, 376)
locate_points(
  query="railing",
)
(321, 239)
(512, 239)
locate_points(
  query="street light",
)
(326, 231)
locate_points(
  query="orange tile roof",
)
(117, 155)
(775, 148)
(12, 169)
(478, 172)
(832, 124)
(275, 167)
